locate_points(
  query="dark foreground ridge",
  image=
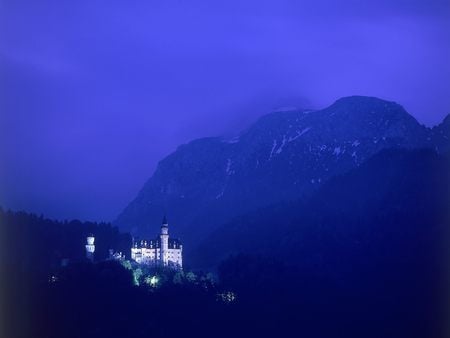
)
(363, 257)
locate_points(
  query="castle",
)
(90, 247)
(163, 250)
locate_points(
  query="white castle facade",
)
(90, 247)
(163, 250)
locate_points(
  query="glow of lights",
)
(153, 281)
(227, 297)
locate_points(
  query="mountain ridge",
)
(284, 155)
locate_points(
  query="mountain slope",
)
(395, 202)
(282, 157)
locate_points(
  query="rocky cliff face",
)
(285, 155)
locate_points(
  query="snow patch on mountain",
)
(283, 142)
(220, 194)
(299, 133)
(228, 168)
(274, 145)
(232, 140)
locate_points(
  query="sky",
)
(94, 93)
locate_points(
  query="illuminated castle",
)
(163, 250)
(90, 247)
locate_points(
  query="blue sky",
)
(94, 93)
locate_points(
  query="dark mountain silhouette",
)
(364, 256)
(391, 210)
(284, 156)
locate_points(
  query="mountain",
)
(377, 234)
(440, 135)
(393, 206)
(284, 156)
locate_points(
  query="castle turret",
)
(90, 247)
(162, 251)
(164, 236)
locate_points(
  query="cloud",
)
(114, 86)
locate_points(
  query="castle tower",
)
(164, 242)
(90, 247)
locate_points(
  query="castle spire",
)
(164, 238)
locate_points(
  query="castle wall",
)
(175, 255)
(153, 256)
